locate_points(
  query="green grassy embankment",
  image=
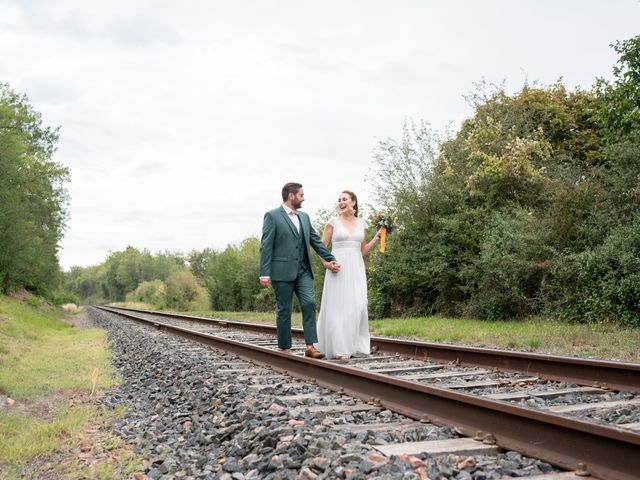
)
(607, 341)
(49, 423)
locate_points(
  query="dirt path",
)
(81, 320)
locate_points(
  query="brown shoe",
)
(312, 352)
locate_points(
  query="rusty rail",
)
(623, 376)
(605, 452)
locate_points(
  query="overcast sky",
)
(181, 121)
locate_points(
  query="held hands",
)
(333, 266)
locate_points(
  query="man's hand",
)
(265, 282)
(333, 266)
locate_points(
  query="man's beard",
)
(296, 204)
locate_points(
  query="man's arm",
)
(266, 248)
(318, 246)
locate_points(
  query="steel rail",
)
(605, 452)
(623, 376)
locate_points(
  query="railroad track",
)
(581, 415)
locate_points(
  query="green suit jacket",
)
(279, 247)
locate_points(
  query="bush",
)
(153, 293)
(425, 267)
(265, 300)
(34, 301)
(184, 292)
(64, 297)
(511, 268)
(231, 276)
(603, 284)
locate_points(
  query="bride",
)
(343, 324)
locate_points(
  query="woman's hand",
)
(366, 247)
(333, 266)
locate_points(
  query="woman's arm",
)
(326, 234)
(318, 244)
(366, 247)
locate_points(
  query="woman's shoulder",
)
(332, 221)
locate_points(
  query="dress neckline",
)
(344, 225)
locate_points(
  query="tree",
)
(480, 212)
(125, 271)
(199, 261)
(183, 291)
(153, 293)
(619, 114)
(232, 277)
(33, 199)
(88, 283)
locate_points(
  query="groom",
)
(285, 263)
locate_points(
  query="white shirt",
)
(293, 217)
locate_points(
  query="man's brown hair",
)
(288, 188)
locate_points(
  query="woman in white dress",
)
(343, 323)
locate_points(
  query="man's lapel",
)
(304, 225)
(293, 228)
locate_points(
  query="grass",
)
(41, 354)
(535, 334)
(601, 340)
(46, 370)
(256, 317)
(23, 437)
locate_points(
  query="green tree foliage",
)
(603, 283)
(130, 267)
(199, 261)
(153, 292)
(162, 280)
(121, 274)
(184, 292)
(88, 283)
(125, 271)
(619, 114)
(33, 199)
(232, 277)
(525, 210)
(512, 266)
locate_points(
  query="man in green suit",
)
(285, 263)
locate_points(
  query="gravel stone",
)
(194, 416)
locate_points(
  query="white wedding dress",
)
(343, 323)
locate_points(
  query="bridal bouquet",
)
(385, 224)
